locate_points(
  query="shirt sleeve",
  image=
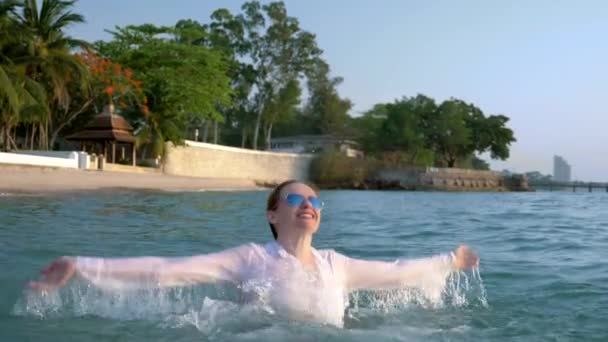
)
(224, 266)
(422, 273)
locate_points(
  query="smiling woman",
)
(294, 200)
(297, 280)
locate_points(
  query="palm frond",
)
(7, 90)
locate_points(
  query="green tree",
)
(491, 134)
(280, 53)
(450, 136)
(479, 164)
(8, 31)
(10, 103)
(227, 34)
(404, 130)
(181, 81)
(327, 110)
(417, 131)
(366, 128)
(457, 130)
(50, 61)
(280, 107)
(21, 98)
(242, 111)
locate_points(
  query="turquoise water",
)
(544, 274)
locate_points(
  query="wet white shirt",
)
(269, 274)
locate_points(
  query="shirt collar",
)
(275, 248)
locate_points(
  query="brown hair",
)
(275, 196)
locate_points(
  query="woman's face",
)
(298, 217)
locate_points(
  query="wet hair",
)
(275, 197)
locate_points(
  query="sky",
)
(542, 63)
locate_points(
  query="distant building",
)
(561, 170)
(315, 144)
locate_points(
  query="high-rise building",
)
(561, 169)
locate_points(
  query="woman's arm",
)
(365, 274)
(225, 266)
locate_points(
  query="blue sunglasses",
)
(296, 200)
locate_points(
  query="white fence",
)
(65, 159)
(41, 153)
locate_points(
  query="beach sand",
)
(34, 180)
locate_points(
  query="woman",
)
(287, 274)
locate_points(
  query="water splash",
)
(80, 299)
(215, 310)
(459, 289)
(463, 289)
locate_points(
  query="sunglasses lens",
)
(315, 202)
(294, 200)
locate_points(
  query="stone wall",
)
(215, 161)
(443, 179)
(463, 180)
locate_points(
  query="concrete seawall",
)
(443, 179)
(197, 159)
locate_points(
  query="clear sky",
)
(542, 63)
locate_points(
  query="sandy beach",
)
(33, 180)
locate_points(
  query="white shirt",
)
(275, 278)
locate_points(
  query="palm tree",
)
(47, 54)
(8, 29)
(14, 85)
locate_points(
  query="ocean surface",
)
(543, 274)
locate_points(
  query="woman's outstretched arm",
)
(224, 266)
(367, 274)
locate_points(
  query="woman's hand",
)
(464, 258)
(55, 275)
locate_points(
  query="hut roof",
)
(106, 126)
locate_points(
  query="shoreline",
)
(27, 180)
(32, 180)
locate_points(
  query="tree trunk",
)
(256, 131)
(206, 131)
(243, 137)
(27, 135)
(10, 141)
(43, 137)
(451, 161)
(268, 136)
(53, 138)
(32, 137)
(215, 132)
(46, 135)
(3, 138)
(14, 138)
(40, 135)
